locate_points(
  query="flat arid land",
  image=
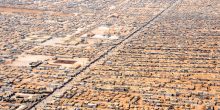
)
(109, 54)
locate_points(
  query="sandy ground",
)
(32, 11)
(24, 59)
